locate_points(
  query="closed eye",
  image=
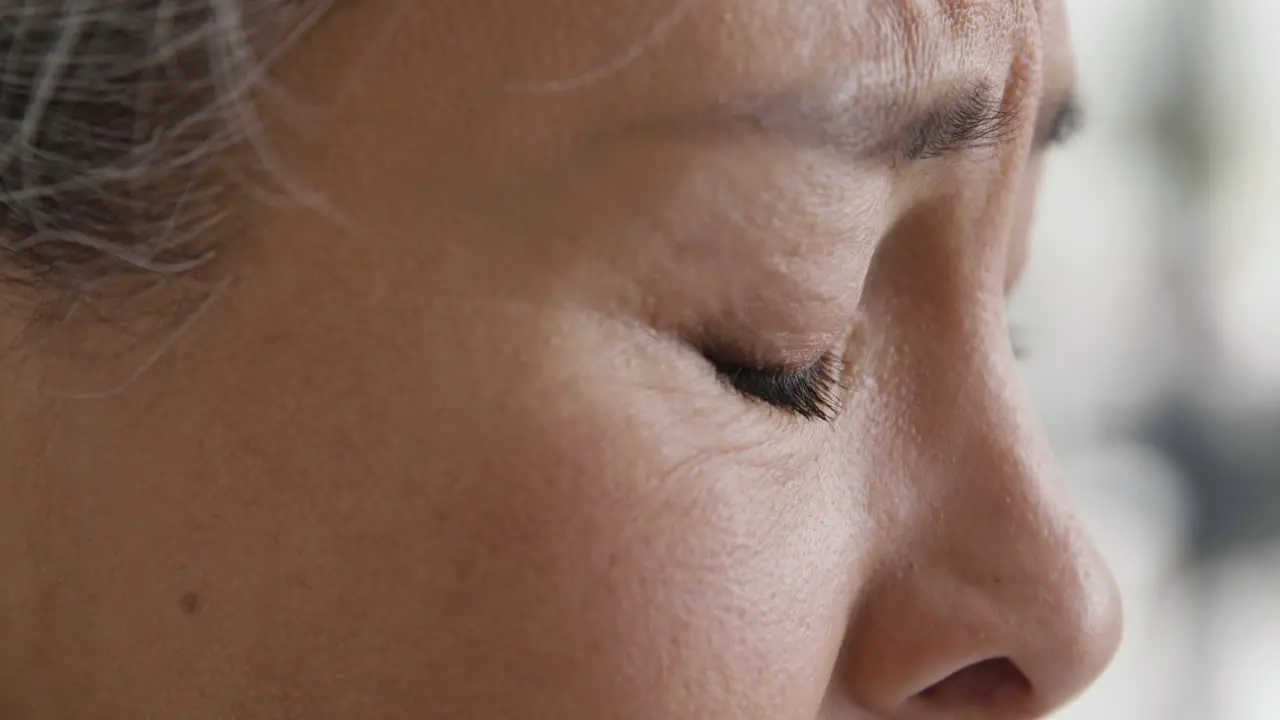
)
(813, 393)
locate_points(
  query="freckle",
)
(190, 603)
(997, 580)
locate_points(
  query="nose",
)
(988, 601)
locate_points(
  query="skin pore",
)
(466, 453)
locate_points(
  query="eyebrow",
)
(971, 118)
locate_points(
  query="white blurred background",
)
(1153, 303)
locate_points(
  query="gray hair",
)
(117, 118)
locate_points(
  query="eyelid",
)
(814, 392)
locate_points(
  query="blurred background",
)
(1153, 309)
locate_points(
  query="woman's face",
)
(527, 417)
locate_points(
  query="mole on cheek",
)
(190, 603)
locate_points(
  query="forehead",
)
(668, 55)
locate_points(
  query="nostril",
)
(992, 685)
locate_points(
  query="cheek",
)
(540, 512)
(621, 543)
(553, 539)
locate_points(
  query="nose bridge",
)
(1010, 539)
(1007, 516)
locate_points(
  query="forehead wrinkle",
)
(956, 11)
(967, 20)
(970, 38)
(935, 32)
(959, 9)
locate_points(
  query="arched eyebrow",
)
(861, 129)
(977, 118)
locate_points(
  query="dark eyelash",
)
(813, 393)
